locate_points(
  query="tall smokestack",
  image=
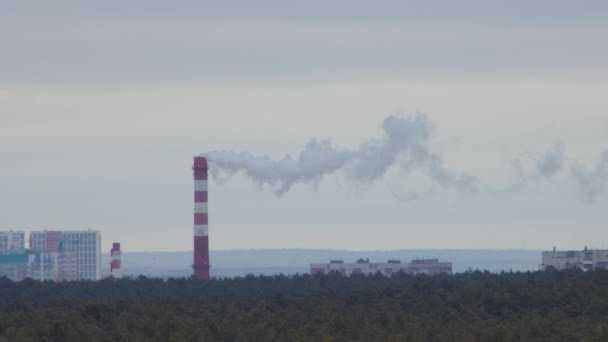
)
(201, 239)
(115, 256)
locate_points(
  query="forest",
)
(471, 306)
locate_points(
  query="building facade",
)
(15, 266)
(363, 266)
(27, 264)
(11, 241)
(587, 259)
(78, 252)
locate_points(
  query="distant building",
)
(53, 255)
(78, 253)
(11, 241)
(43, 266)
(27, 264)
(587, 259)
(15, 266)
(363, 266)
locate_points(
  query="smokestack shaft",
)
(201, 237)
(115, 260)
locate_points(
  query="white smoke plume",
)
(535, 167)
(405, 142)
(552, 162)
(592, 183)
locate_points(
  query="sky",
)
(103, 105)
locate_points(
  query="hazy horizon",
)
(292, 261)
(103, 106)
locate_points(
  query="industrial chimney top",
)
(200, 163)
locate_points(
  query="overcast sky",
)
(103, 105)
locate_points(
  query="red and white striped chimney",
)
(115, 256)
(200, 263)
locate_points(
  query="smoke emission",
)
(591, 182)
(552, 162)
(405, 142)
(594, 182)
(534, 167)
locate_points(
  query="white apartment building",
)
(81, 248)
(22, 264)
(587, 259)
(11, 241)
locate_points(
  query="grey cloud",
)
(405, 142)
(139, 42)
(468, 11)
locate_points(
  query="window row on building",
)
(587, 259)
(52, 255)
(363, 266)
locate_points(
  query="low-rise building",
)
(587, 259)
(363, 266)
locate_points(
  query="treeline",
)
(472, 306)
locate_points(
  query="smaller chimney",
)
(115, 256)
